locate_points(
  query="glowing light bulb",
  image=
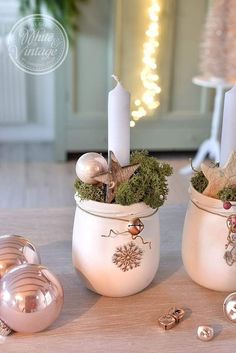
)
(132, 123)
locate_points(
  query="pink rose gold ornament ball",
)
(89, 165)
(229, 307)
(14, 251)
(31, 298)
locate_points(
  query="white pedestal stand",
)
(210, 146)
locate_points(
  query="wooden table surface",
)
(91, 323)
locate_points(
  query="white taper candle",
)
(228, 140)
(119, 123)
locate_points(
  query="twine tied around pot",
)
(134, 227)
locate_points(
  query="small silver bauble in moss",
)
(90, 165)
(229, 307)
(135, 226)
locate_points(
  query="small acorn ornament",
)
(31, 298)
(135, 226)
(15, 250)
(90, 165)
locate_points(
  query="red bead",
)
(227, 205)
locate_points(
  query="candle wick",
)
(115, 78)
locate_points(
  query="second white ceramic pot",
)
(107, 257)
(204, 239)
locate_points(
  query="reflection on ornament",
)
(31, 299)
(90, 165)
(229, 307)
(14, 251)
(135, 226)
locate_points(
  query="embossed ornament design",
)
(230, 255)
(127, 257)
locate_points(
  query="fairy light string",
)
(149, 77)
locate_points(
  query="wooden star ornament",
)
(115, 176)
(218, 178)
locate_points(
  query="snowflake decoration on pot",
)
(127, 257)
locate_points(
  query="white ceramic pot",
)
(116, 265)
(204, 239)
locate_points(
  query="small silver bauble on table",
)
(90, 165)
(31, 298)
(205, 333)
(16, 250)
(229, 307)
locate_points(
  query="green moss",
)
(199, 181)
(228, 193)
(130, 192)
(89, 192)
(149, 184)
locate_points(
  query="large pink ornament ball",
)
(31, 298)
(16, 250)
(89, 165)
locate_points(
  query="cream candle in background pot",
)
(228, 140)
(119, 123)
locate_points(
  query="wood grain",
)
(94, 324)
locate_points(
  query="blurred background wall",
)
(69, 106)
(27, 102)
